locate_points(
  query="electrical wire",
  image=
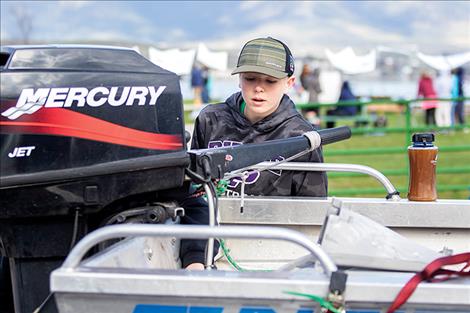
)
(196, 177)
(322, 302)
(233, 263)
(75, 228)
(215, 195)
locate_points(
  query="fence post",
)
(407, 105)
(407, 122)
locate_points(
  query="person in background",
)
(197, 83)
(346, 110)
(443, 90)
(261, 111)
(310, 81)
(426, 90)
(457, 92)
(206, 87)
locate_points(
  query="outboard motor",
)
(88, 135)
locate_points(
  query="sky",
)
(308, 28)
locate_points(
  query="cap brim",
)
(259, 69)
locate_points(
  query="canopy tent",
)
(174, 60)
(331, 82)
(348, 62)
(444, 62)
(181, 62)
(213, 60)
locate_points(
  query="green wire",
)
(228, 257)
(323, 303)
(221, 187)
(232, 262)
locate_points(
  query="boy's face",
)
(262, 93)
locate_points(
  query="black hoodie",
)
(223, 125)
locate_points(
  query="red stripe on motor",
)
(57, 121)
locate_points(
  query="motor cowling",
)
(86, 133)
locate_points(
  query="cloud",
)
(225, 20)
(250, 5)
(177, 33)
(5, 33)
(392, 9)
(260, 11)
(99, 35)
(75, 4)
(454, 35)
(366, 33)
(304, 9)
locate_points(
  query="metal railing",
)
(195, 232)
(392, 192)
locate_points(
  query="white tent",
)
(213, 60)
(331, 86)
(181, 62)
(174, 60)
(348, 62)
(444, 62)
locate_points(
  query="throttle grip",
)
(332, 135)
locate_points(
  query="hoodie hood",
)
(285, 111)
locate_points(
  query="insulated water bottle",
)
(422, 155)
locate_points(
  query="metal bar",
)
(365, 151)
(407, 123)
(403, 102)
(434, 216)
(355, 191)
(209, 262)
(316, 167)
(368, 130)
(195, 232)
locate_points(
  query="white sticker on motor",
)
(20, 152)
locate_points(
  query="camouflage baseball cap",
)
(267, 56)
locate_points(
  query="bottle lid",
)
(423, 139)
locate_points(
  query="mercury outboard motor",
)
(86, 133)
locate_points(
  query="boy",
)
(261, 111)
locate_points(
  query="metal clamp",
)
(314, 139)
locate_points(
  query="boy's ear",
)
(290, 81)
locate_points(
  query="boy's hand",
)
(195, 267)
